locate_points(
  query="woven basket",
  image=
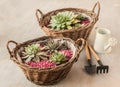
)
(45, 76)
(82, 32)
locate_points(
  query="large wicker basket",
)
(82, 32)
(45, 76)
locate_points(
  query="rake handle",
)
(100, 62)
(87, 51)
(95, 55)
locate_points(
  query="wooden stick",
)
(94, 53)
(87, 52)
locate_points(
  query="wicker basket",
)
(82, 32)
(45, 76)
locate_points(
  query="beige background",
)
(18, 22)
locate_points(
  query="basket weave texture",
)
(82, 32)
(44, 76)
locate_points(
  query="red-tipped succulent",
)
(43, 64)
(67, 53)
(85, 21)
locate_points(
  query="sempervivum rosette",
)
(67, 53)
(68, 20)
(48, 54)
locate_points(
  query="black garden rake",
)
(101, 68)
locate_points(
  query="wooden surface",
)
(18, 22)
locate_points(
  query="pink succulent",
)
(68, 53)
(86, 21)
(44, 64)
(41, 45)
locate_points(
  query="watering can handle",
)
(98, 12)
(39, 15)
(8, 47)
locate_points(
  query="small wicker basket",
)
(45, 76)
(82, 32)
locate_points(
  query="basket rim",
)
(67, 9)
(23, 65)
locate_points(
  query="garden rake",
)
(101, 68)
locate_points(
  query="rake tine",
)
(97, 71)
(101, 71)
(104, 70)
(107, 70)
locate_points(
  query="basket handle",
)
(98, 12)
(39, 15)
(8, 47)
(81, 43)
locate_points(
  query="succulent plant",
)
(43, 64)
(32, 49)
(68, 54)
(63, 20)
(64, 45)
(83, 19)
(58, 57)
(33, 52)
(52, 45)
